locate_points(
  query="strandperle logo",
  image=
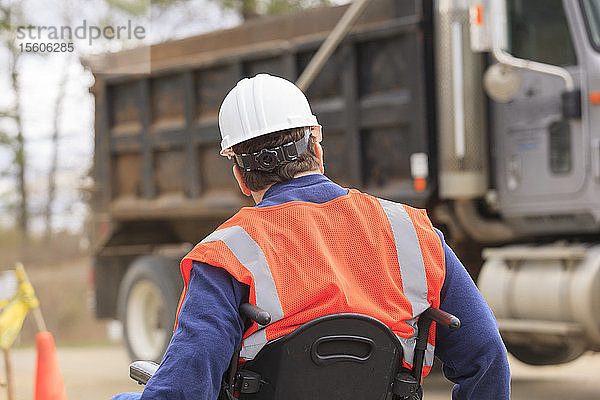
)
(84, 31)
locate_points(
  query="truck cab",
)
(545, 134)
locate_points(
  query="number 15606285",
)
(46, 47)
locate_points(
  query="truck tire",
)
(148, 298)
(545, 354)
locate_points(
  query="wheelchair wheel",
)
(148, 299)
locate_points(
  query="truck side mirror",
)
(501, 83)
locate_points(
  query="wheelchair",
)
(338, 356)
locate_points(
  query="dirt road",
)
(578, 380)
(96, 373)
(91, 373)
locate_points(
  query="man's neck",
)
(258, 196)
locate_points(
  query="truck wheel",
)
(148, 299)
(545, 354)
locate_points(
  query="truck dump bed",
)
(157, 140)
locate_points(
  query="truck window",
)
(591, 10)
(538, 31)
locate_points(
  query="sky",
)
(39, 77)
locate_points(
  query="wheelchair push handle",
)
(255, 313)
(441, 317)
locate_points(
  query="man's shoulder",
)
(391, 204)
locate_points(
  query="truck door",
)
(540, 156)
(590, 32)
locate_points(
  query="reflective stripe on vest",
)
(250, 255)
(412, 271)
(408, 349)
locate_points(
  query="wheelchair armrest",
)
(424, 323)
(142, 371)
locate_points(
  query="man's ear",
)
(317, 133)
(238, 177)
(319, 154)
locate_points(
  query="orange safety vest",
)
(356, 253)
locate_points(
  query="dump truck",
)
(485, 113)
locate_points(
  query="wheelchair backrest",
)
(339, 356)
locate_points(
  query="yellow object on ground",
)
(13, 314)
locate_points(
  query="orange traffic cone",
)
(49, 383)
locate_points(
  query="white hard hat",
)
(261, 105)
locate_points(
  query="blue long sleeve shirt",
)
(209, 326)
